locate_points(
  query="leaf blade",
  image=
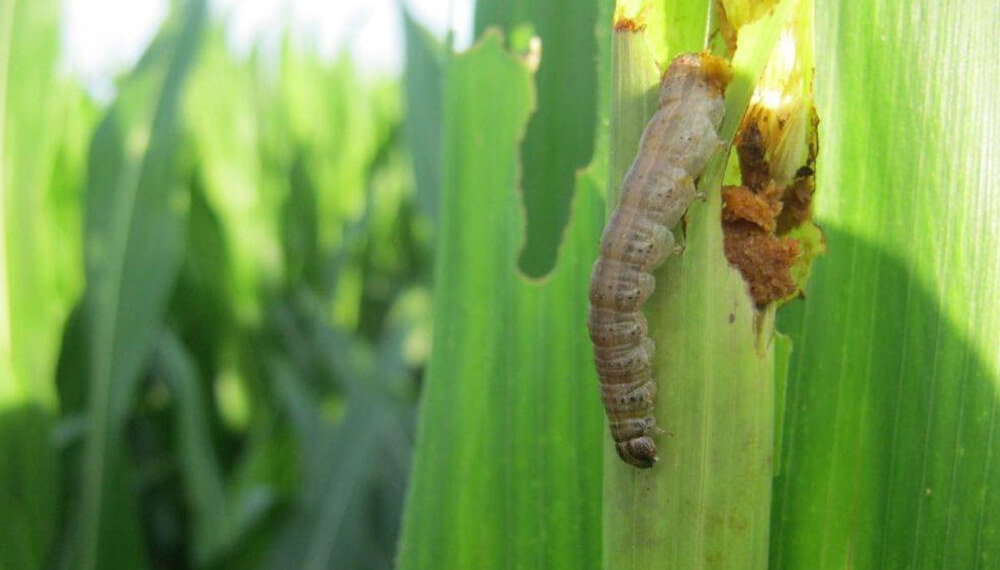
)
(893, 385)
(510, 421)
(134, 230)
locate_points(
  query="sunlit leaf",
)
(507, 468)
(220, 107)
(559, 139)
(890, 439)
(37, 279)
(34, 299)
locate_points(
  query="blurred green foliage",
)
(235, 260)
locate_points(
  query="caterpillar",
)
(658, 188)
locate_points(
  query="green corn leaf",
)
(890, 444)
(560, 136)
(220, 108)
(353, 465)
(423, 83)
(39, 275)
(33, 300)
(136, 209)
(29, 492)
(507, 466)
(220, 516)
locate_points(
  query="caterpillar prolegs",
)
(659, 187)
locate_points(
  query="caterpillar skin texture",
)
(659, 187)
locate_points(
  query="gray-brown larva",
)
(659, 187)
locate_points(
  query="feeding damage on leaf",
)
(767, 220)
(764, 259)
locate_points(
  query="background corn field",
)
(217, 294)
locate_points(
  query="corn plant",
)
(216, 293)
(865, 440)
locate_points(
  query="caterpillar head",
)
(638, 451)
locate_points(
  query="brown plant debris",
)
(743, 204)
(627, 20)
(752, 151)
(764, 259)
(797, 201)
(726, 27)
(628, 25)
